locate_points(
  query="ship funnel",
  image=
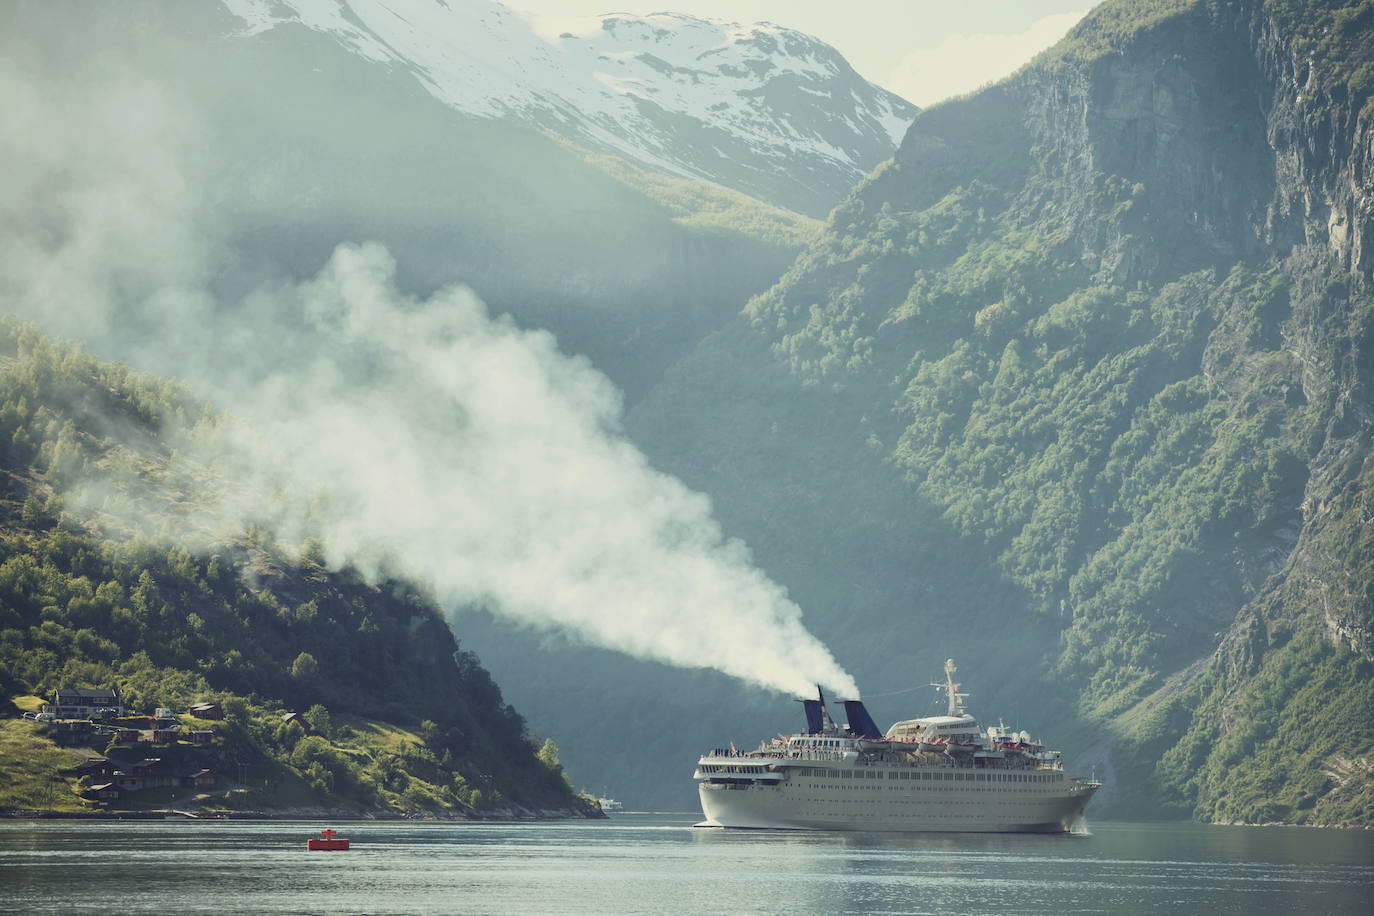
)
(860, 722)
(813, 716)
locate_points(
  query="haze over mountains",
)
(1074, 387)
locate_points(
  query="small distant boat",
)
(610, 804)
(330, 841)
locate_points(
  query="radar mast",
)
(951, 690)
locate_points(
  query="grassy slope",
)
(29, 769)
(698, 205)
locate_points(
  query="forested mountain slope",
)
(1077, 390)
(403, 719)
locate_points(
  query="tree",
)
(305, 669)
(321, 723)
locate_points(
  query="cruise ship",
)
(939, 773)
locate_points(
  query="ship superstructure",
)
(937, 773)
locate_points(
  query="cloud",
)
(963, 62)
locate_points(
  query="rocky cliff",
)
(1078, 384)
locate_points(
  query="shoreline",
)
(297, 814)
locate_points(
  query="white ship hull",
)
(889, 798)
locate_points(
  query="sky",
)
(924, 50)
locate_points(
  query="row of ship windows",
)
(821, 785)
(925, 804)
(919, 774)
(732, 768)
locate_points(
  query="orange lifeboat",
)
(329, 841)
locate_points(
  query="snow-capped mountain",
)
(760, 108)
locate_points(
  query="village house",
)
(72, 731)
(298, 719)
(105, 791)
(91, 766)
(127, 782)
(85, 703)
(206, 711)
(201, 735)
(202, 779)
(153, 773)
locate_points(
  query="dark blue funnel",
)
(813, 716)
(860, 722)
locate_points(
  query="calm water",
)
(638, 863)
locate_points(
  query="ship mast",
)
(951, 690)
(827, 724)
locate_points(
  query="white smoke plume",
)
(473, 456)
(414, 436)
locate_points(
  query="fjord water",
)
(657, 863)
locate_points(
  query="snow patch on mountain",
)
(765, 109)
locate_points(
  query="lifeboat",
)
(328, 841)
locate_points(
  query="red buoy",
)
(329, 842)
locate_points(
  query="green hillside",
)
(403, 720)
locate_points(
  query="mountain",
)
(1076, 389)
(398, 717)
(762, 109)
(268, 150)
(170, 157)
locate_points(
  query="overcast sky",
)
(924, 50)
